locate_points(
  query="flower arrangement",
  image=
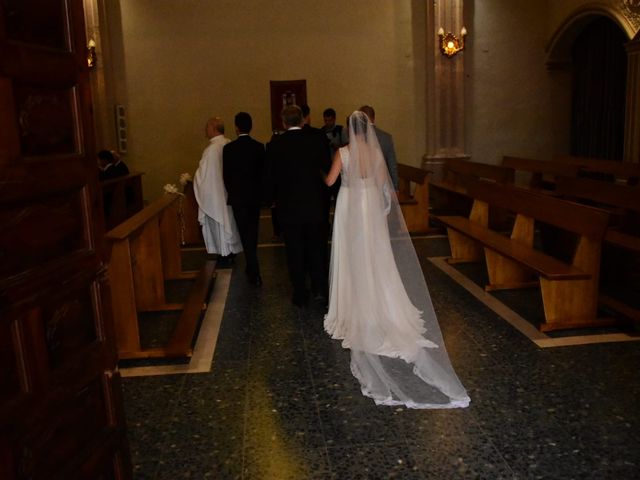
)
(171, 188)
(185, 178)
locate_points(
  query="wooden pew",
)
(541, 173)
(414, 205)
(450, 197)
(145, 252)
(623, 233)
(622, 201)
(192, 232)
(569, 289)
(623, 172)
(121, 198)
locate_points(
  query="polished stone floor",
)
(281, 403)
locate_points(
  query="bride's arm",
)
(336, 166)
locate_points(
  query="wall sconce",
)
(92, 57)
(449, 43)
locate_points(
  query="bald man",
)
(216, 217)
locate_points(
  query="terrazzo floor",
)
(280, 401)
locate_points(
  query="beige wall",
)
(508, 86)
(187, 60)
(515, 104)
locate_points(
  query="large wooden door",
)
(60, 403)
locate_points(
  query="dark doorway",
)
(599, 91)
(283, 93)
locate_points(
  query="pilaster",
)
(445, 87)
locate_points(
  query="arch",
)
(559, 47)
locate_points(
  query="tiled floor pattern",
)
(281, 403)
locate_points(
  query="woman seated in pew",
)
(110, 165)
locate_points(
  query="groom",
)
(296, 160)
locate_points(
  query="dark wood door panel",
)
(40, 231)
(9, 373)
(37, 22)
(61, 413)
(63, 431)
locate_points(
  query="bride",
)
(379, 304)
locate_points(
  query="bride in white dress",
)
(379, 304)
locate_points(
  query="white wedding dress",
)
(379, 305)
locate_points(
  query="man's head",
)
(369, 111)
(329, 117)
(105, 158)
(291, 116)
(214, 127)
(243, 122)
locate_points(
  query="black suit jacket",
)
(243, 170)
(296, 160)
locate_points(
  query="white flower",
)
(185, 178)
(170, 188)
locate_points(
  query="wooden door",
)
(60, 403)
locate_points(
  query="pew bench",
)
(121, 198)
(569, 288)
(414, 202)
(145, 253)
(623, 233)
(621, 172)
(541, 174)
(449, 196)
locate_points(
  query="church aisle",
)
(280, 401)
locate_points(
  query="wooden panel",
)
(51, 254)
(566, 215)
(69, 326)
(605, 193)
(9, 375)
(37, 22)
(496, 173)
(62, 432)
(47, 119)
(623, 170)
(541, 166)
(34, 233)
(121, 198)
(147, 266)
(533, 259)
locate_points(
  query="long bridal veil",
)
(379, 303)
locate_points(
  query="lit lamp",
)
(449, 43)
(92, 57)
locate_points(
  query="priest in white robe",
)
(216, 217)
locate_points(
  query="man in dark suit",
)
(297, 160)
(386, 145)
(328, 191)
(242, 172)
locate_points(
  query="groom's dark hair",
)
(369, 112)
(292, 116)
(243, 122)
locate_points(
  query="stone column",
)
(445, 87)
(632, 114)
